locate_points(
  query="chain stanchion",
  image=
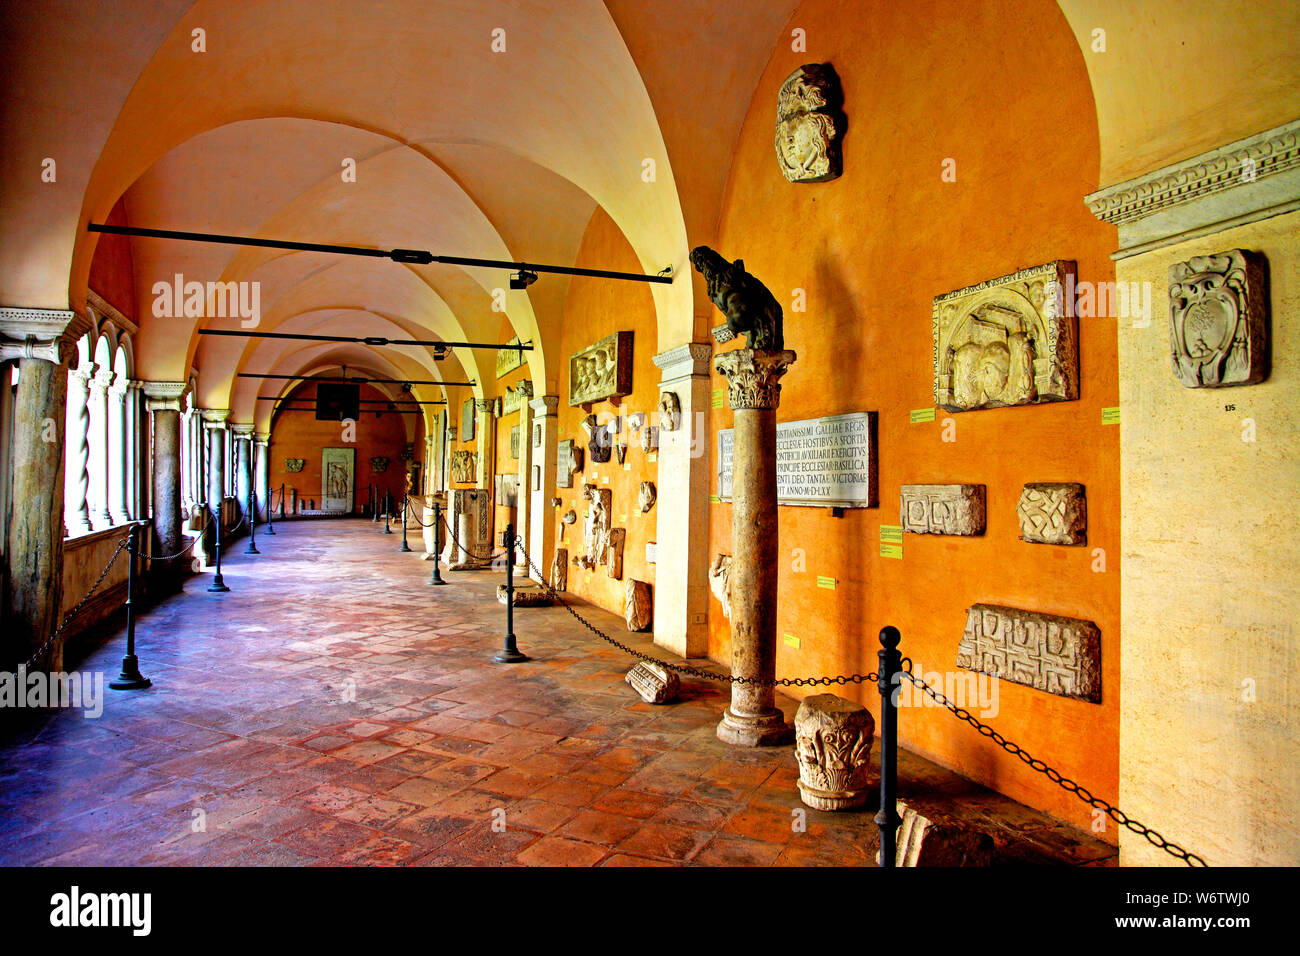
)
(388, 507)
(374, 504)
(131, 678)
(405, 547)
(270, 511)
(282, 487)
(887, 820)
(509, 653)
(218, 585)
(436, 577)
(252, 523)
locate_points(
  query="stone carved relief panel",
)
(645, 499)
(1007, 341)
(1060, 655)
(1053, 513)
(560, 569)
(467, 420)
(720, 582)
(568, 462)
(1218, 320)
(942, 509)
(596, 527)
(602, 370)
(809, 124)
(614, 553)
(638, 606)
(294, 465)
(462, 467)
(670, 411)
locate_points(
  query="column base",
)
(763, 730)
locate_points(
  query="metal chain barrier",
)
(1065, 783)
(477, 557)
(193, 541)
(687, 669)
(68, 618)
(411, 513)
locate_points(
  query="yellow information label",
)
(892, 533)
(714, 500)
(791, 641)
(891, 550)
(627, 466)
(653, 456)
(922, 415)
(825, 582)
(604, 479)
(1110, 416)
(717, 401)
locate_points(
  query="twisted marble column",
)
(76, 473)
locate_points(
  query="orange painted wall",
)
(297, 434)
(594, 309)
(1000, 87)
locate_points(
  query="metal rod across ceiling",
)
(370, 340)
(410, 256)
(352, 378)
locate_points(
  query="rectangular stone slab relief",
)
(1007, 341)
(602, 370)
(338, 467)
(1217, 315)
(1053, 513)
(1059, 655)
(828, 462)
(942, 509)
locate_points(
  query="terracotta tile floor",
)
(334, 709)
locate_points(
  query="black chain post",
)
(436, 577)
(388, 507)
(887, 819)
(509, 654)
(270, 512)
(252, 523)
(130, 678)
(405, 505)
(218, 584)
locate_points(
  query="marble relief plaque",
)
(467, 420)
(1217, 320)
(463, 467)
(942, 509)
(826, 462)
(568, 460)
(1059, 655)
(809, 123)
(509, 359)
(1007, 341)
(338, 466)
(602, 370)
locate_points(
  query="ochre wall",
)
(297, 434)
(594, 309)
(999, 87)
(1210, 597)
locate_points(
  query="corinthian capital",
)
(753, 376)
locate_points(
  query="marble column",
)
(137, 492)
(262, 473)
(118, 471)
(242, 438)
(524, 497)
(76, 473)
(486, 444)
(214, 425)
(541, 516)
(36, 338)
(100, 516)
(163, 402)
(754, 392)
(682, 518)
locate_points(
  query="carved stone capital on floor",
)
(164, 396)
(214, 418)
(753, 376)
(546, 406)
(48, 334)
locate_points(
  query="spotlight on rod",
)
(522, 279)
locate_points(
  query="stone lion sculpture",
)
(750, 308)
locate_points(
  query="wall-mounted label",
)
(627, 466)
(1110, 416)
(891, 550)
(893, 533)
(714, 500)
(825, 582)
(653, 456)
(919, 415)
(604, 479)
(718, 398)
(791, 641)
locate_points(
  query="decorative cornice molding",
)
(684, 361)
(214, 417)
(1244, 181)
(111, 312)
(546, 406)
(242, 430)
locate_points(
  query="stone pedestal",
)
(833, 746)
(754, 392)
